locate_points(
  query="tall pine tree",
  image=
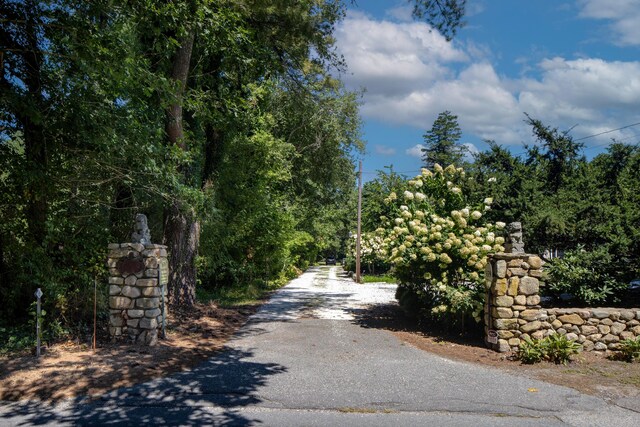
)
(441, 142)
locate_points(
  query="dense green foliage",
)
(564, 200)
(589, 276)
(219, 120)
(567, 203)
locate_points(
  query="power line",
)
(607, 131)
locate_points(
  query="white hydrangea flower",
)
(408, 195)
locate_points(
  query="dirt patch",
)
(590, 372)
(66, 370)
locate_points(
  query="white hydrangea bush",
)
(438, 241)
(372, 248)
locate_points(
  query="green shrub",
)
(555, 348)
(630, 349)
(590, 276)
(410, 302)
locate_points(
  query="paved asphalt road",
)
(303, 360)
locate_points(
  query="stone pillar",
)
(512, 303)
(136, 308)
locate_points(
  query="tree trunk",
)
(182, 235)
(181, 229)
(3, 272)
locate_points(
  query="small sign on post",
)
(492, 337)
(38, 295)
(164, 271)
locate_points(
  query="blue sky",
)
(572, 64)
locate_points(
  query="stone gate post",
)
(512, 304)
(137, 298)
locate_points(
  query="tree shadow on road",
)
(210, 394)
(391, 317)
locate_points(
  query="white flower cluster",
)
(372, 247)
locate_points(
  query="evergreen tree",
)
(441, 142)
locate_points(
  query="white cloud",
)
(409, 51)
(471, 150)
(595, 94)
(384, 150)
(412, 74)
(623, 14)
(415, 151)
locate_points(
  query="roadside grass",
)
(247, 293)
(384, 278)
(234, 296)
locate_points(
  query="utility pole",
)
(359, 220)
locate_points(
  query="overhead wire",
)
(607, 131)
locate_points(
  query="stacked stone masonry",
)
(136, 308)
(513, 311)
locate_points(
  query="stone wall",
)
(136, 308)
(513, 311)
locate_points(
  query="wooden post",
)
(95, 310)
(359, 221)
(38, 316)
